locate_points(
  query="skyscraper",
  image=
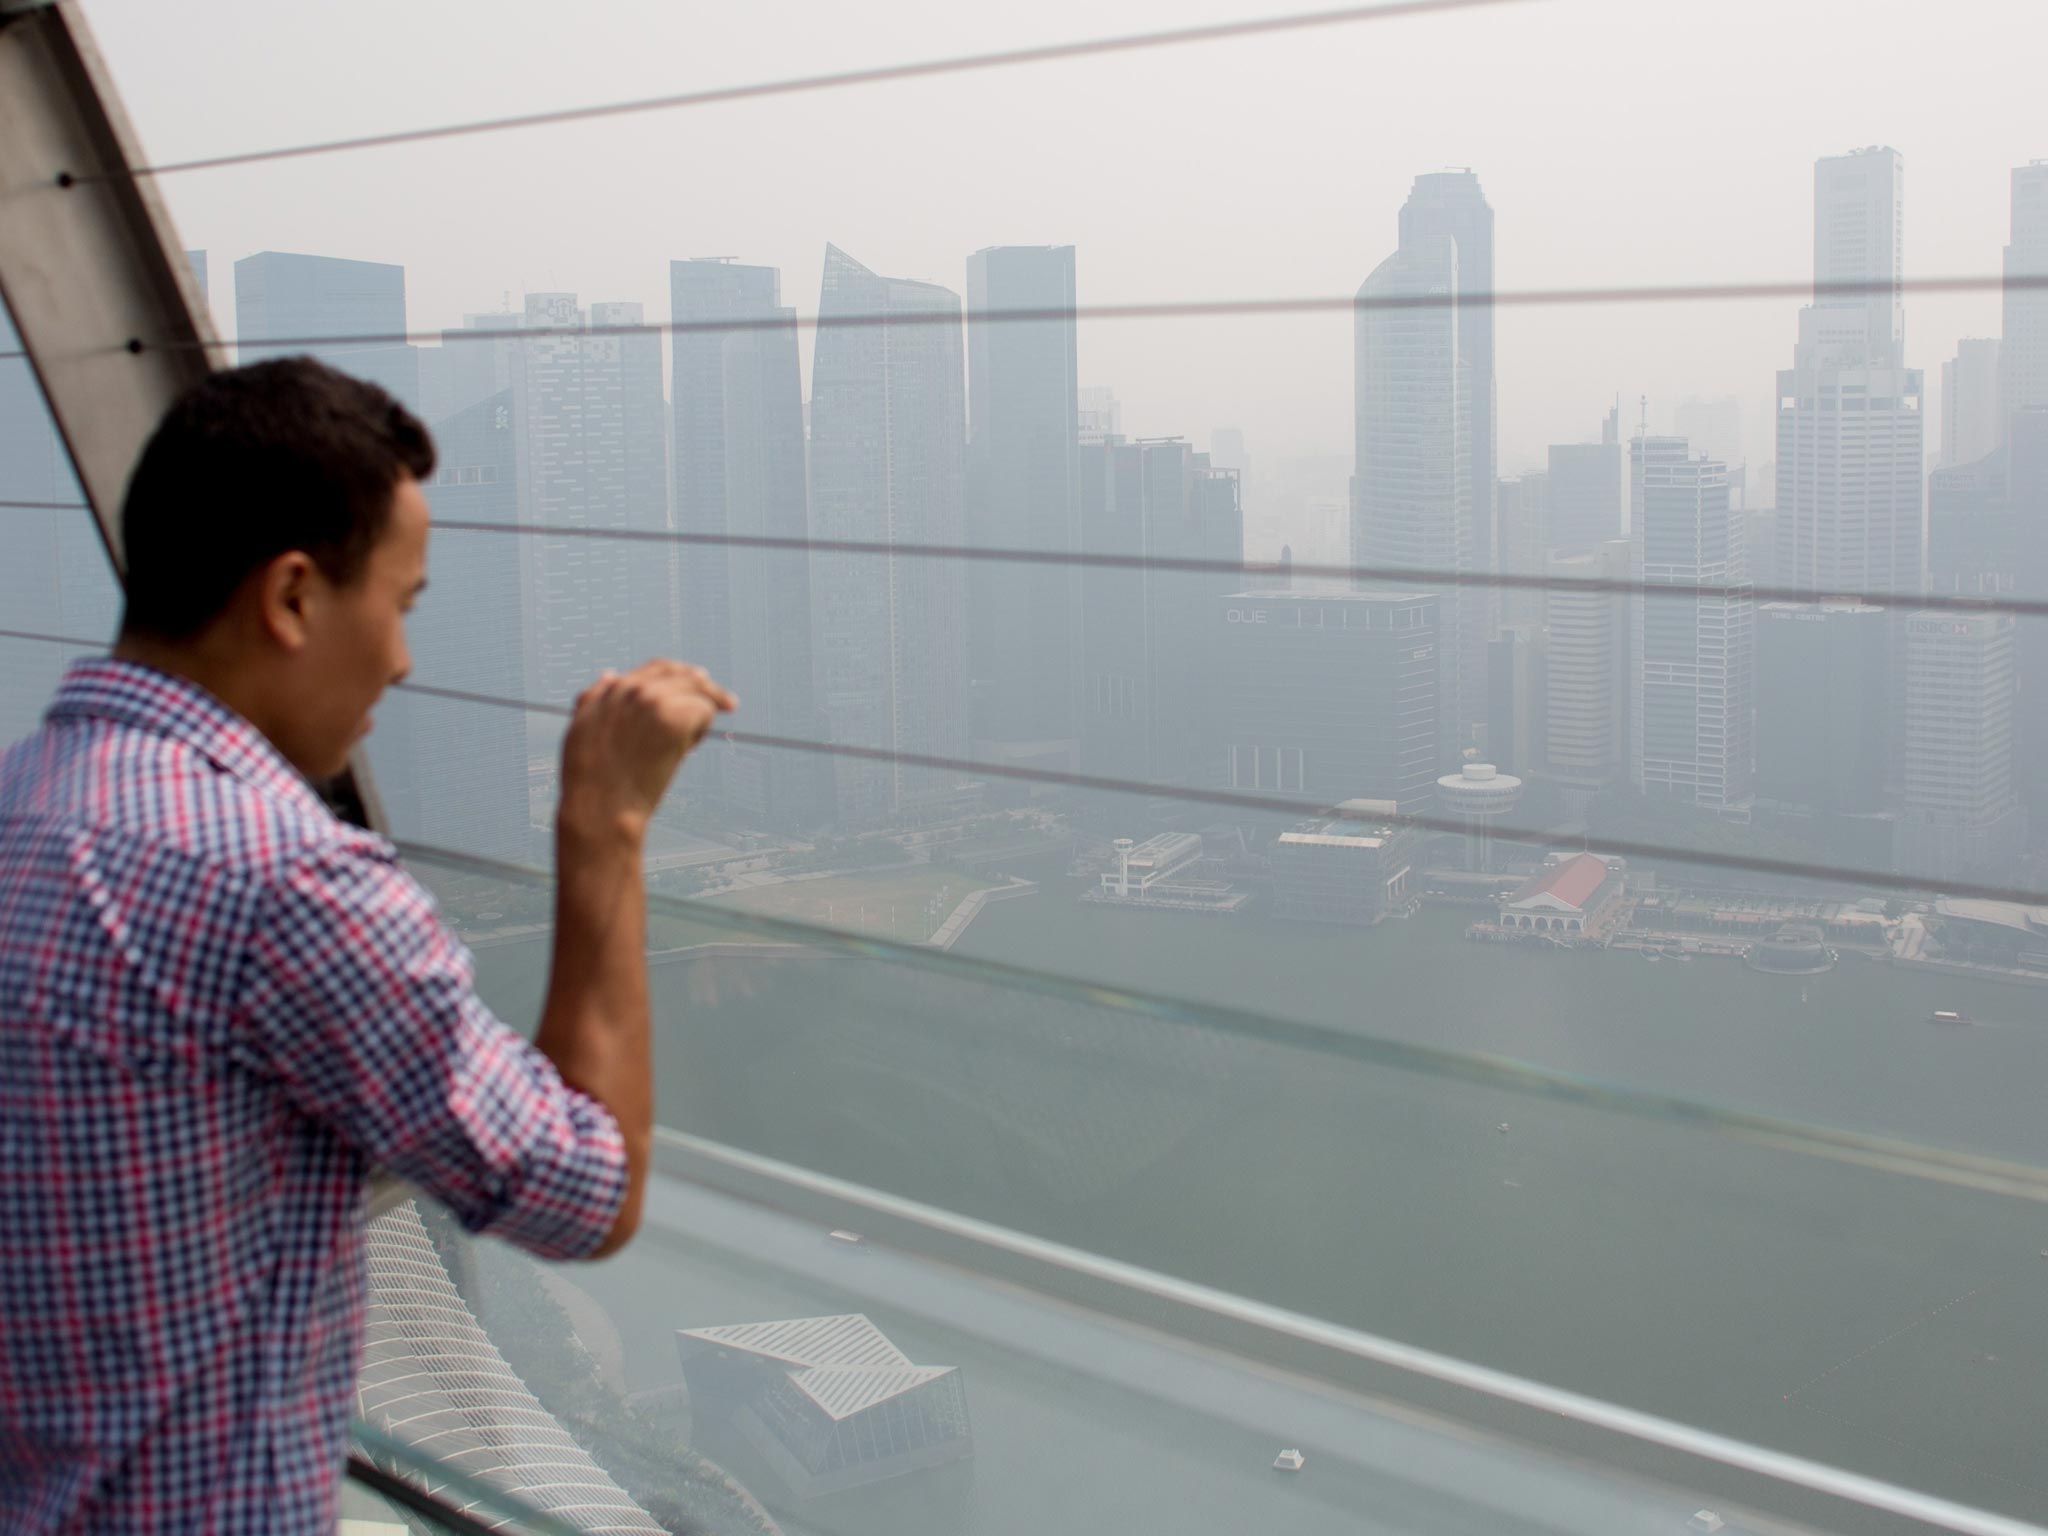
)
(1712, 426)
(704, 293)
(1821, 722)
(1413, 490)
(2026, 459)
(1515, 705)
(282, 299)
(888, 435)
(1972, 422)
(1850, 513)
(1022, 425)
(1101, 417)
(1522, 520)
(643, 469)
(2023, 359)
(1956, 746)
(1451, 203)
(449, 773)
(1587, 489)
(1690, 705)
(1586, 669)
(1859, 241)
(1148, 634)
(1973, 528)
(1329, 696)
(1227, 451)
(740, 470)
(592, 455)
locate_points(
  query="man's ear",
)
(285, 592)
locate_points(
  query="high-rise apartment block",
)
(593, 456)
(1692, 665)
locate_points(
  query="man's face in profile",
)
(354, 638)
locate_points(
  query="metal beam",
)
(94, 275)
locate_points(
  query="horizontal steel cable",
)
(1405, 576)
(1240, 800)
(1161, 309)
(1994, 1175)
(1166, 309)
(1004, 58)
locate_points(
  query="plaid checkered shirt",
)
(220, 1006)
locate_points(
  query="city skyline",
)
(1598, 172)
(941, 430)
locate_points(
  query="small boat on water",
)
(1949, 1016)
(1289, 1460)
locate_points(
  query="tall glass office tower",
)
(1851, 509)
(1690, 720)
(1022, 425)
(888, 434)
(740, 471)
(1413, 489)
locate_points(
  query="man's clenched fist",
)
(629, 732)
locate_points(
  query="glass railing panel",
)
(1757, 1276)
(652, 1361)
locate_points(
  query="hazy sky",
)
(1619, 141)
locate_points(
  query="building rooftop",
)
(1332, 840)
(844, 1364)
(2003, 914)
(1571, 882)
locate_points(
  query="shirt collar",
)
(163, 704)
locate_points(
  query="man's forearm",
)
(595, 1025)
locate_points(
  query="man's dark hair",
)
(249, 464)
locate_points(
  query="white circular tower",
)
(1478, 795)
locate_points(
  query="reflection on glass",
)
(1508, 702)
(1798, 1291)
(54, 578)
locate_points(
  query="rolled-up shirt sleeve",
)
(364, 1005)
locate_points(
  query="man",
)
(221, 1006)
